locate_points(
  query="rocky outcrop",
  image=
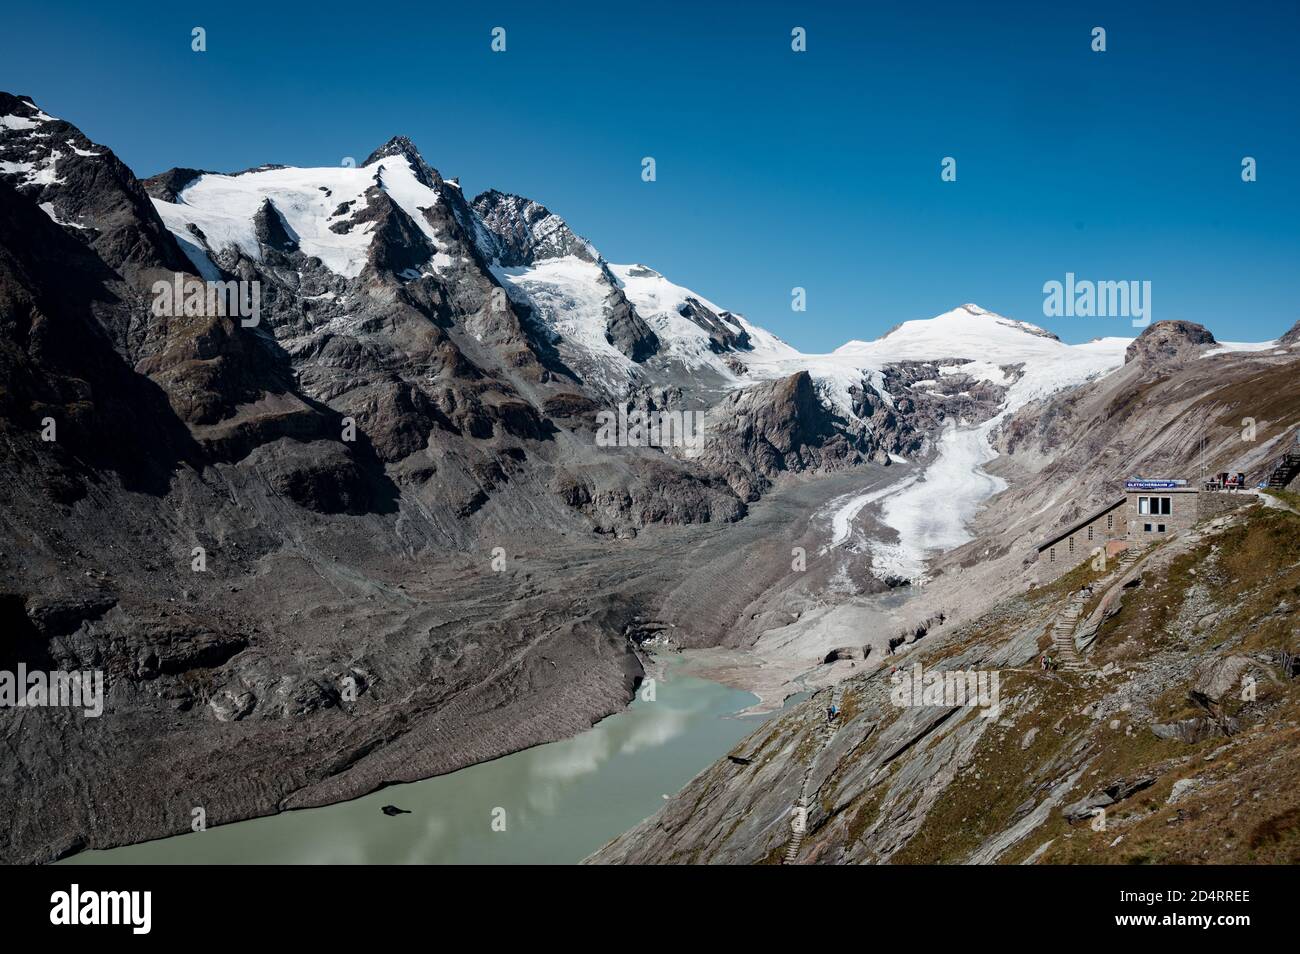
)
(725, 334)
(1090, 805)
(754, 435)
(169, 185)
(271, 231)
(519, 231)
(1169, 343)
(399, 248)
(659, 493)
(625, 329)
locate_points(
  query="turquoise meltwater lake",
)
(559, 802)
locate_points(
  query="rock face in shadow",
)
(86, 185)
(725, 334)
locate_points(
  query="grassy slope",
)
(1246, 806)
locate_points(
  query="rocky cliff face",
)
(518, 233)
(84, 187)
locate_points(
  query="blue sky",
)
(775, 169)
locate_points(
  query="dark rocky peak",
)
(57, 359)
(626, 330)
(518, 231)
(461, 219)
(1291, 337)
(168, 186)
(1169, 342)
(398, 246)
(725, 333)
(271, 229)
(21, 107)
(402, 147)
(84, 187)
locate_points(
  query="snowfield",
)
(988, 341)
(569, 296)
(223, 207)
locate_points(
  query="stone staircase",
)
(1284, 471)
(799, 814)
(1063, 635)
(1063, 630)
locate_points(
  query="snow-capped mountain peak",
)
(327, 209)
(402, 147)
(966, 331)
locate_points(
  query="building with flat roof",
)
(1157, 508)
(1150, 510)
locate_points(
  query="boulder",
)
(1220, 677)
(1116, 791)
(847, 652)
(1195, 730)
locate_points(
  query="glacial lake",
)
(562, 801)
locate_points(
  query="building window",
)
(1155, 505)
(1051, 555)
(1160, 528)
(1110, 521)
(1090, 531)
(1146, 528)
(1071, 544)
